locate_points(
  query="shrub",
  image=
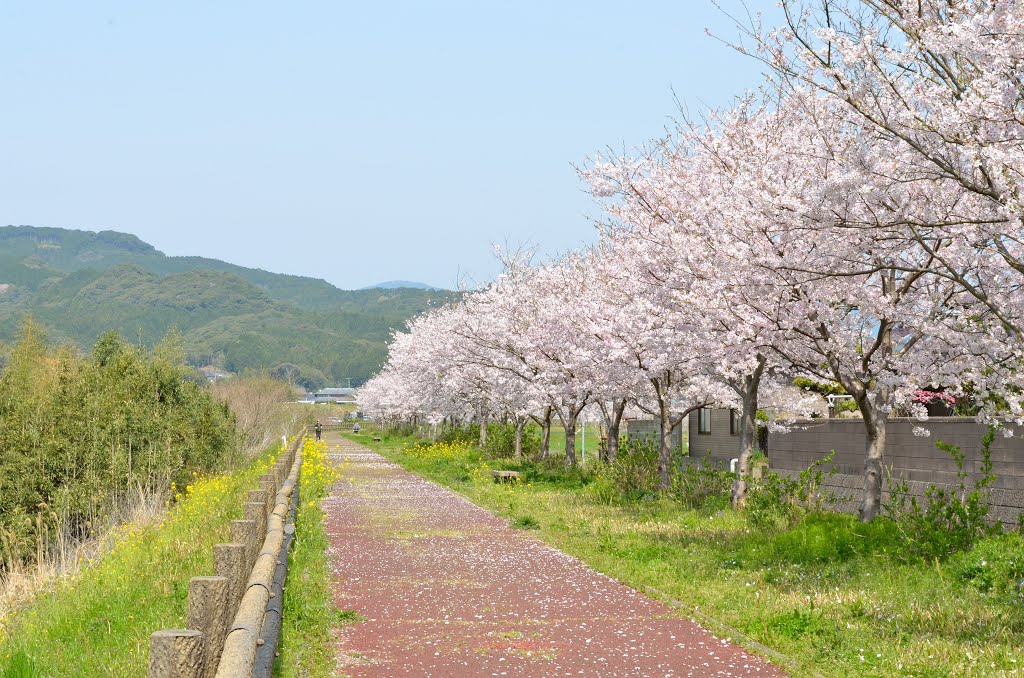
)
(468, 434)
(948, 519)
(778, 498)
(81, 434)
(697, 484)
(501, 442)
(554, 471)
(634, 473)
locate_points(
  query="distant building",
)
(333, 395)
(213, 374)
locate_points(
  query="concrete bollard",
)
(244, 532)
(256, 512)
(208, 611)
(269, 482)
(176, 654)
(258, 496)
(229, 562)
(243, 638)
(267, 487)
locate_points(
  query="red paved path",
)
(448, 589)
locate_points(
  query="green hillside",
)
(80, 284)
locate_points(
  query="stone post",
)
(259, 497)
(229, 562)
(267, 485)
(176, 654)
(256, 511)
(244, 532)
(208, 611)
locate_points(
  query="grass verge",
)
(307, 644)
(98, 623)
(838, 597)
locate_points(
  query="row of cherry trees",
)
(857, 222)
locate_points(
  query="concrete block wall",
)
(649, 428)
(909, 457)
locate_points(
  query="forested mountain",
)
(79, 284)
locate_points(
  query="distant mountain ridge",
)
(401, 284)
(80, 284)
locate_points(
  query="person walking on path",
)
(318, 429)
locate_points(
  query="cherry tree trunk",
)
(748, 433)
(520, 425)
(871, 504)
(545, 434)
(483, 429)
(665, 453)
(569, 422)
(614, 426)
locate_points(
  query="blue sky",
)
(356, 142)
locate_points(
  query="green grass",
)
(99, 622)
(834, 595)
(557, 445)
(306, 645)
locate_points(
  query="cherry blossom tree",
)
(753, 217)
(938, 84)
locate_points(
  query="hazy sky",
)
(356, 142)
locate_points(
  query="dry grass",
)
(64, 555)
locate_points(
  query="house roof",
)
(335, 391)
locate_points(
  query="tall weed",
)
(946, 520)
(778, 500)
(695, 485)
(632, 476)
(501, 442)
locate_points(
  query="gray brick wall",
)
(649, 428)
(915, 459)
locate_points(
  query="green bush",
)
(633, 476)
(634, 473)
(81, 434)
(778, 500)
(695, 485)
(554, 471)
(948, 519)
(501, 442)
(468, 433)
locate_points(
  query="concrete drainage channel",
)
(234, 618)
(270, 634)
